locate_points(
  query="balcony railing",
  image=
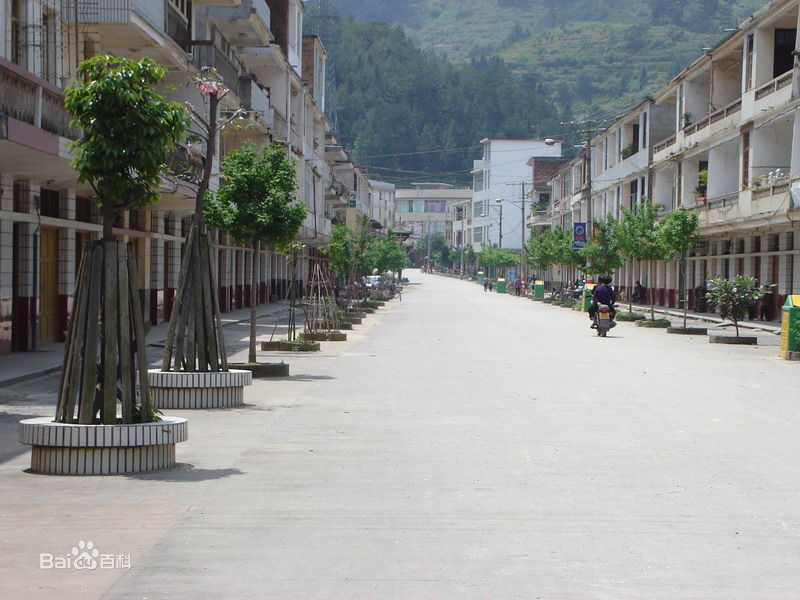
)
(280, 130)
(26, 98)
(208, 55)
(664, 145)
(773, 86)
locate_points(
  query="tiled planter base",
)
(265, 370)
(66, 449)
(688, 330)
(738, 341)
(184, 391)
(325, 337)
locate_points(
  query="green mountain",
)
(397, 106)
(596, 56)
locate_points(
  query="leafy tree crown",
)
(128, 128)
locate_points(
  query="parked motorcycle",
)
(603, 320)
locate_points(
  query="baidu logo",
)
(84, 556)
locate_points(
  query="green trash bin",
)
(587, 296)
(501, 286)
(538, 290)
(790, 328)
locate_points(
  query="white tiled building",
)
(257, 48)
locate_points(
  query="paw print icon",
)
(85, 555)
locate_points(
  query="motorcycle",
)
(603, 320)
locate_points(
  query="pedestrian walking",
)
(518, 286)
(491, 285)
(485, 284)
(638, 292)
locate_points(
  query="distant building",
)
(427, 208)
(502, 182)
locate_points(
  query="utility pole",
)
(522, 247)
(463, 239)
(501, 226)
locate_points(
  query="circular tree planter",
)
(264, 370)
(67, 449)
(321, 336)
(730, 339)
(185, 391)
(630, 317)
(657, 324)
(287, 346)
(688, 330)
(793, 356)
(346, 326)
(356, 314)
(354, 320)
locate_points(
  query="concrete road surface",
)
(462, 445)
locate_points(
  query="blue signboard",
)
(578, 235)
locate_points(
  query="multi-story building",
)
(721, 139)
(502, 181)
(427, 208)
(382, 204)
(256, 47)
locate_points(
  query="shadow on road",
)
(185, 472)
(309, 377)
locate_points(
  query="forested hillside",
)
(446, 73)
(392, 98)
(597, 56)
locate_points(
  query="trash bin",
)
(587, 296)
(501, 286)
(538, 290)
(479, 277)
(790, 328)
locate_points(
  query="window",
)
(634, 195)
(477, 209)
(783, 60)
(477, 234)
(745, 159)
(435, 206)
(18, 32)
(635, 136)
(748, 61)
(477, 182)
(644, 132)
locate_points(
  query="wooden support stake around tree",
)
(208, 311)
(177, 304)
(73, 352)
(140, 349)
(110, 332)
(212, 266)
(93, 282)
(127, 367)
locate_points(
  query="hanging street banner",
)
(578, 235)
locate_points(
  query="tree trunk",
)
(630, 287)
(253, 299)
(108, 223)
(211, 150)
(684, 299)
(652, 290)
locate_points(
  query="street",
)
(461, 444)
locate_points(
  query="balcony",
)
(256, 101)
(771, 199)
(280, 130)
(134, 27)
(226, 65)
(540, 219)
(27, 99)
(246, 24)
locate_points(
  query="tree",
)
(194, 338)
(496, 258)
(340, 252)
(387, 254)
(639, 237)
(680, 231)
(602, 253)
(128, 129)
(734, 298)
(257, 203)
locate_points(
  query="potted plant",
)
(733, 298)
(701, 190)
(105, 422)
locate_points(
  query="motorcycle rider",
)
(603, 294)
